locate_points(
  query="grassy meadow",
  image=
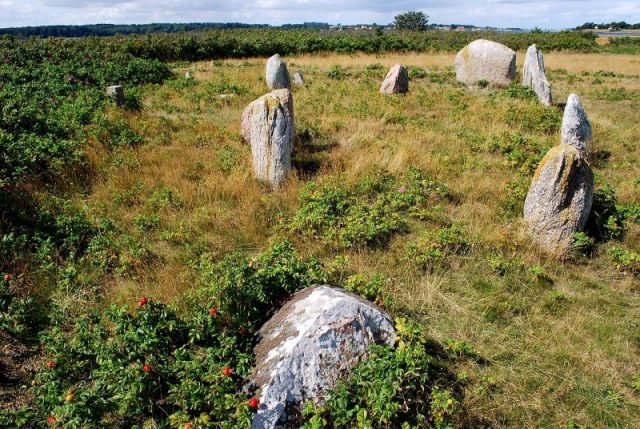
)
(537, 342)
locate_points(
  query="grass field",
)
(541, 343)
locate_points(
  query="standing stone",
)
(268, 127)
(485, 61)
(298, 79)
(396, 81)
(313, 341)
(559, 199)
(277, 76)
(116, 93)
(188, 76)
(576, 128)
(534, 77)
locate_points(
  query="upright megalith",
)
(268, 127)
(116, 93)
(576, 128)
(483, 62)
(534, 77)
(396, 81)
(277, 76)
(314, 340)
(559, 199)
(298, 78)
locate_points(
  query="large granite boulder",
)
(487, 62)
(534, 77)
(559, 199)
(576, 128)
(277, 76)
(268, 126)
(309, 344)
(396, 81)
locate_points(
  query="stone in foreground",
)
(534, 77)
(268, 127)
(309, 344)
(396, 81)
(559, 199)
(116, 93)
(298, 78)
(483, 61)
(576, 128)
(277, 76)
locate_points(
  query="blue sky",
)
(548, 14)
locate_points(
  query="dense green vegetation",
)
(266, 42)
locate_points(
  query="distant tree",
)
(413, 20)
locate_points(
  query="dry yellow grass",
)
(550, 352)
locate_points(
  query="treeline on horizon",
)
(221, 44)
(616, 25)
(127, 29)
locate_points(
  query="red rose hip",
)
(253, 403)
(143, 301)
(147, 368)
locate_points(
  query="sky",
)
(546, 14)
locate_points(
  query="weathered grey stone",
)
(396, 81)
(534, 77)
(277, 76)
(187, 75)
(298, 78)
(559, 199)
(311, 342)
(116, 93)
(576, 129)
(485, 61)
(268, 126)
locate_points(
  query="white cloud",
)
(500, 13)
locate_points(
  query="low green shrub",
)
(18, 314)
(397, 387)
(605, 221)
(523, 154)
(434, 248)
(368, 212)
(132, 368)
(626, 260)
(583, 243)
(534, 117)
(249, 289)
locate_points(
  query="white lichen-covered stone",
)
(187, 75)
(534, 77)
(309, 344)
(116, 93)
(268, 126)
(298, 78)
(576, 128)
(559, 199)
(277, 76)
(396, 81)
(483, 61)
